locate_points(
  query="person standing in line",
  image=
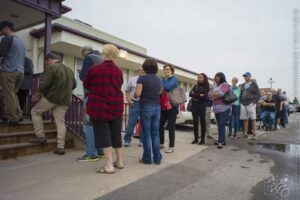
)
(12, 59)
(55, 92)
(285, 113)
(148, 88)
(26, 84)
(250, 95)
(170, 82)
(105, 107)
(91, 57)
(279, 107)
(234, 119)
(220, 109)
(268, 112)
(134, 108)
(199, 95)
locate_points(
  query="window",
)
(79, 89)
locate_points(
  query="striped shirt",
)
(218, 104)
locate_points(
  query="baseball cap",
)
(247, 74)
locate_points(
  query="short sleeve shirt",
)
(131, 88)
(152, 86)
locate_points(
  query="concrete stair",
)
(14, 140)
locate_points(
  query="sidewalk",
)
(48, 176)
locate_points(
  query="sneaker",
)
(87, 158)
(59, 151)
(38, 140)
(278, 127)
(126, 144)
(170, 150)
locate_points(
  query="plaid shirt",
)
(105, 100)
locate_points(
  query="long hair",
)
(222, 77)
(205, 82)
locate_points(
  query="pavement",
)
(267, 169)
(48, 176)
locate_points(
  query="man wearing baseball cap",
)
(12, 59)
(250, 95)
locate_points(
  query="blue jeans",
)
(268, 118)
(150, 117)
(285, 116)
(134, 113)
(222, 118)
(234, 119)
(90, 141)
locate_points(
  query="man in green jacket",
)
(55, 92)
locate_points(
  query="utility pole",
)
(296, 53)
(271, 81)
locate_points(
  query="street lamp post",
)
(271, 81)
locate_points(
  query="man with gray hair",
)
(91, 57)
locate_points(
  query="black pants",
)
(198, 111)
(22, 96)
(170, 116)
(107, 133)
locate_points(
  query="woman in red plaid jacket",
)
(105, 107)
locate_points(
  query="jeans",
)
(90, 141)
(285, 117)
(234, 119)
(222, 118)
(150, 117)
(134, 113)
(268, 118)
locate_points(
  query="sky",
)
(205, 36)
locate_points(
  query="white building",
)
(68, 36)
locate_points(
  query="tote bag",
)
(177, 96)
(229, 97)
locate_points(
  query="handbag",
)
(189, 106)
(229, 97)
(164, 101)
(177, 96)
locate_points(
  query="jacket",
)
(250, 95)
(57, 84)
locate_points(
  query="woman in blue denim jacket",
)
(170, 82)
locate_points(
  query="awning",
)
(26, 13)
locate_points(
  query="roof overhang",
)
(58, 28)
(26, 13)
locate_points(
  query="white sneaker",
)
(278, 127)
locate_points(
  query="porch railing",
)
(73, 116)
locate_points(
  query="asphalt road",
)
(267, 169)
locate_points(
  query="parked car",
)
(298, 108)
(184, 116)
(291, 108)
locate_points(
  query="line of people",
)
(147, 96)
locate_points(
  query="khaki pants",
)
(207, 120)
(58, 111)
(10, 83)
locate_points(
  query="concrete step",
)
(25, 136)
(8, 151)
(25, 126)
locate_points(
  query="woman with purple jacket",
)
(220, 109)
